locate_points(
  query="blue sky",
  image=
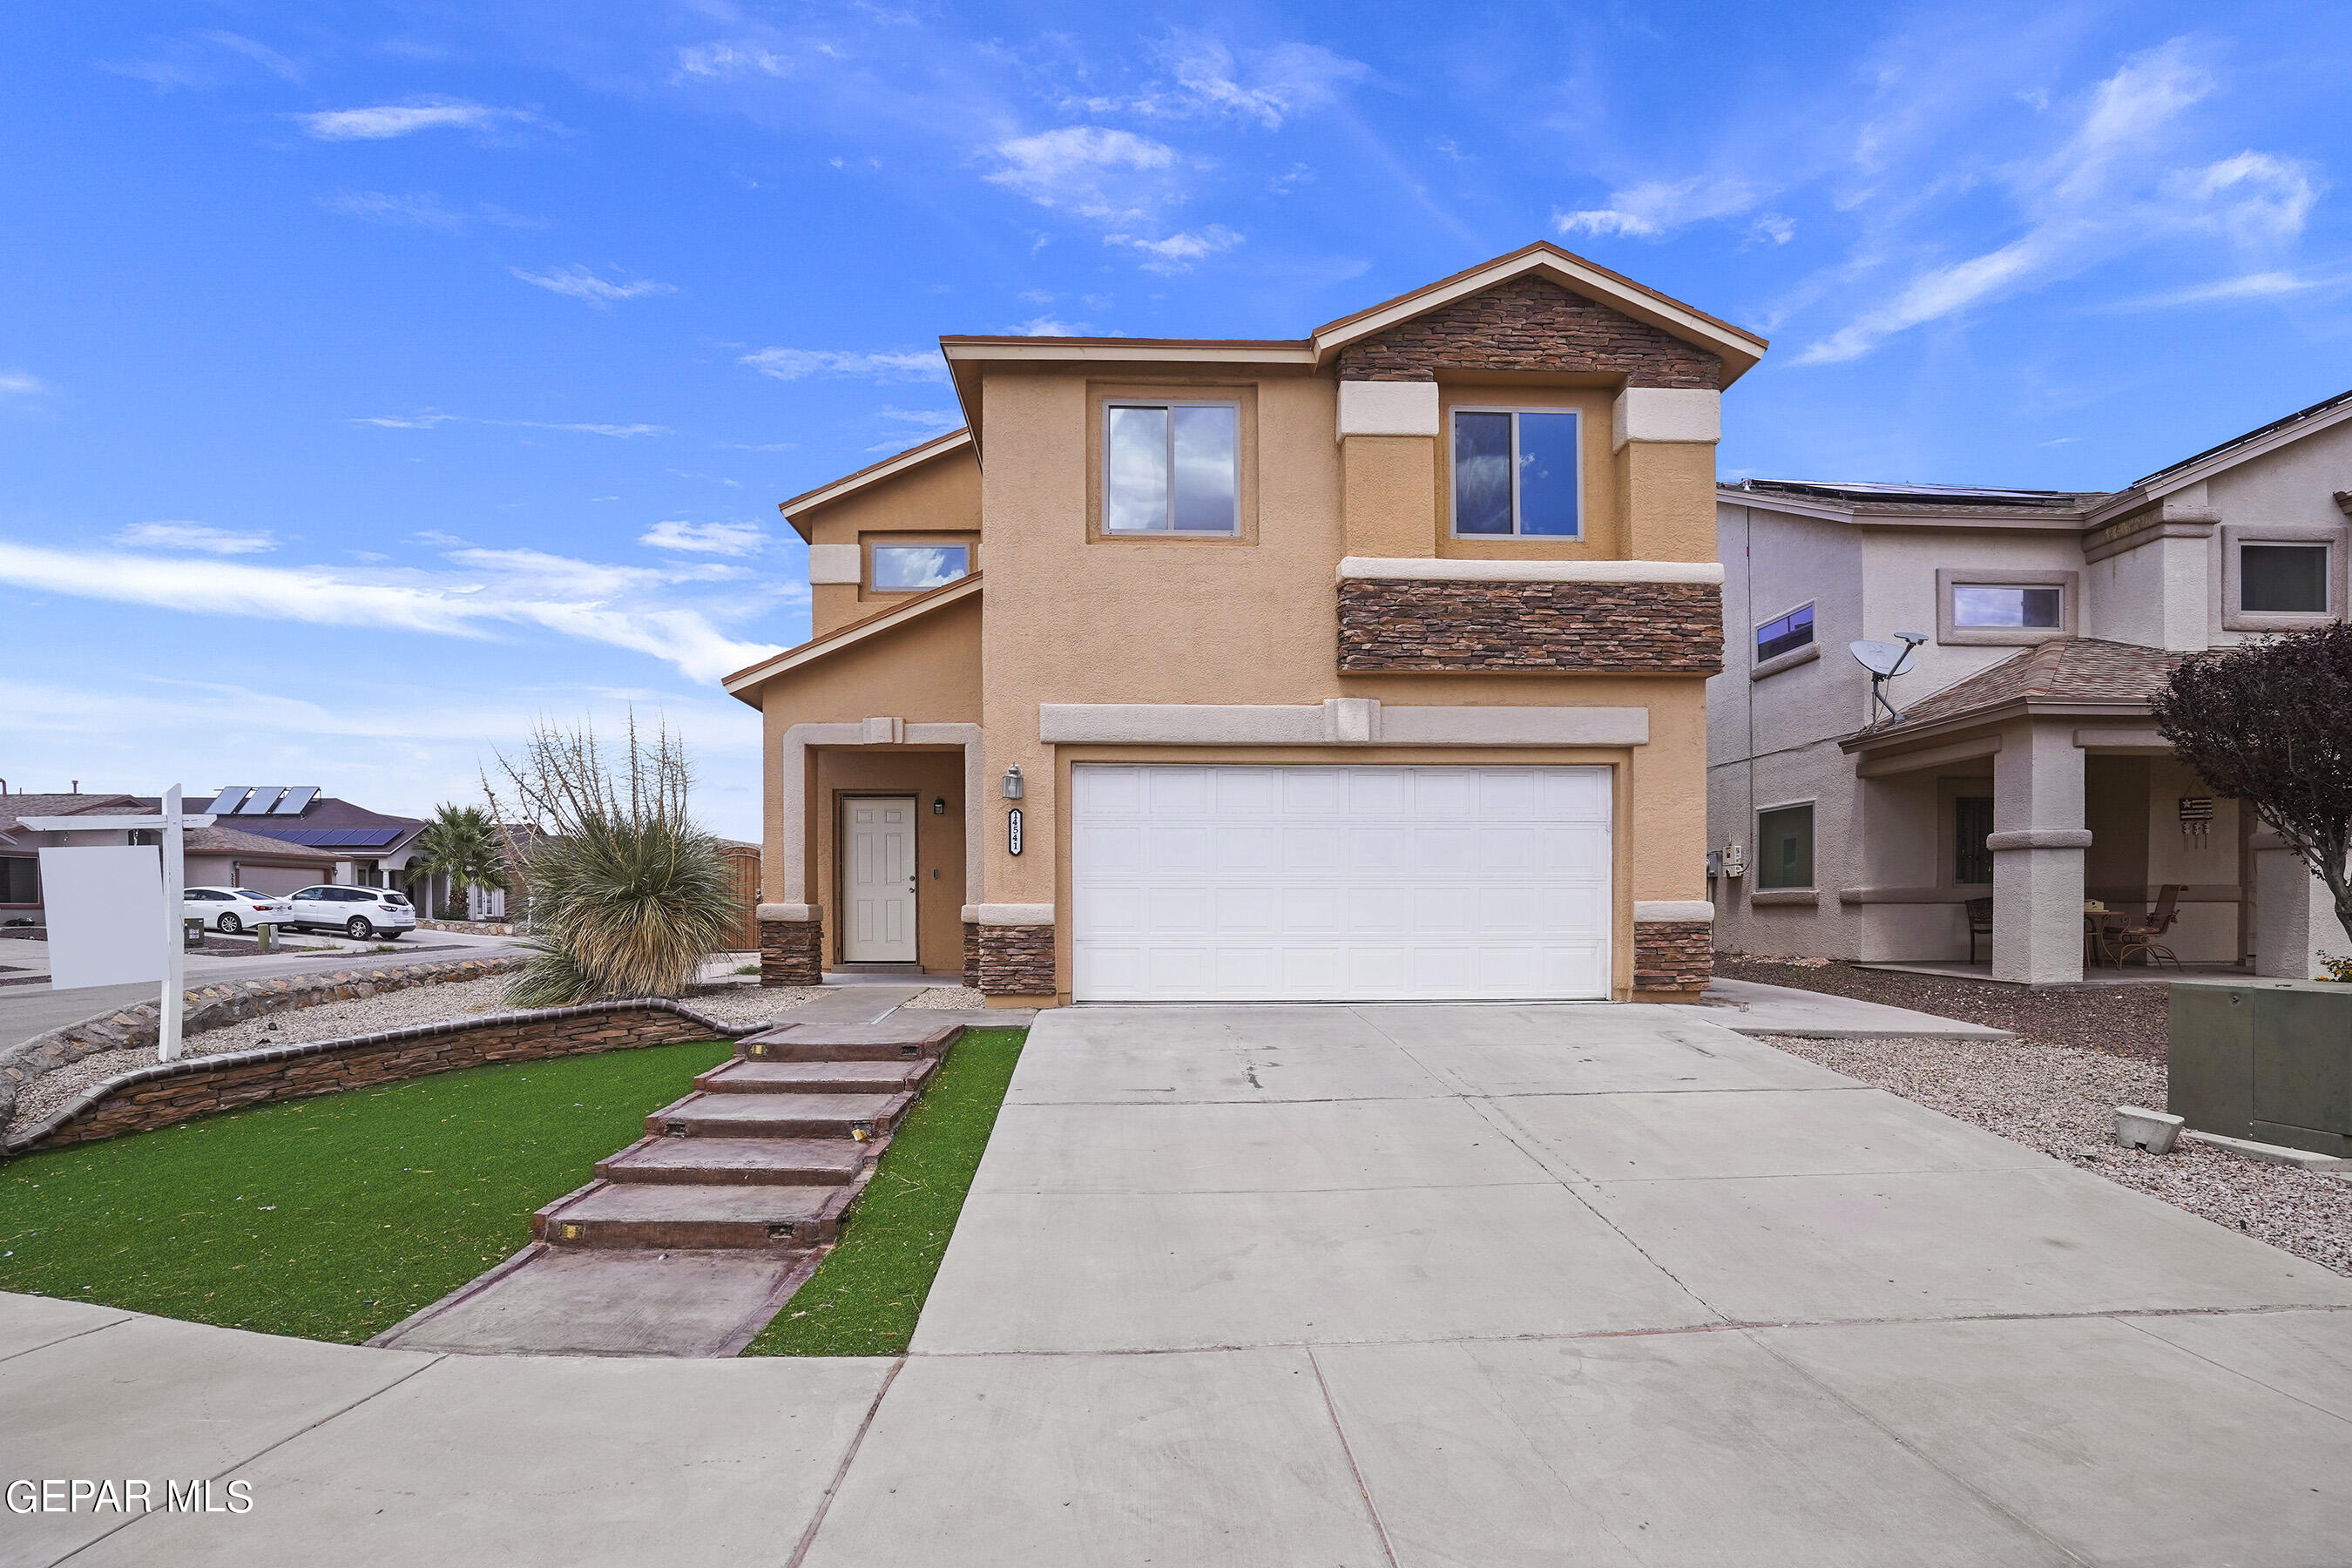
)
(376, 377)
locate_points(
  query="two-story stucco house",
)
(1368, 664)
(2024, 768)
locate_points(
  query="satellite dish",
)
(1886, 661)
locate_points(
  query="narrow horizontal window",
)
(1784, 846)
(1172, 467)
(911, 568)
(1787, 635)
(2282, 579)
(2002, 604)
(1517, 472)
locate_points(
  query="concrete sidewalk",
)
(1752, 1008)
(1383, 1285)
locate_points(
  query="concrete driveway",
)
(1394, 1284)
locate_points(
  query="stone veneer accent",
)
(1012, 960)
(1530, 324)
(1410, 624)
(792, 952)
(1672, 955)
(167, 1093)
(971, 953)
(216, 1006)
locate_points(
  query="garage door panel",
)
(1243, 883)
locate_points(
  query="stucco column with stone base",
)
(2037, 846)
(1009, 954)
(1674, 949)
(791, 944)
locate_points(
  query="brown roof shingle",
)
(2063, 670)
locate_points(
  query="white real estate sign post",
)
(106, 903)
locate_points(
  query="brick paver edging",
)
(212, 1007)
(166, 1092)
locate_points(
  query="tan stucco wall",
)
(940, 497)
(929, 775)
(926, 672)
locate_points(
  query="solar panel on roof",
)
(323, 838)
(258, 803)
(225, 801)
(296, 802)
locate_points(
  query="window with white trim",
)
(1171, 468)
(1785, 634)
(2007, 605)
(1517, 473)
(916, 568)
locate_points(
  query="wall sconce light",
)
(1013, 782)
(940, 807)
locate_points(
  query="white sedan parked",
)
(233, 909)
(361, 913)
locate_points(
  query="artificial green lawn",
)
(330, 1219)
(865, 1297)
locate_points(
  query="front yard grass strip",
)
(330, 1218)
(866, 1296)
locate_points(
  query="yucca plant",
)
(627, 894)
(462, 844)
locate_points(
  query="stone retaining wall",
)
(166, 1092)
(470, 927)
(214, 1007)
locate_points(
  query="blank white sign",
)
(105, 907)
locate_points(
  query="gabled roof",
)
(2064, 672)
(938, 447)
(2317, 416)
(1869, 501)
(1736, 346)
(15, 808)
(914, 608)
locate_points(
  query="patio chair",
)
(1979, 924)
(2140, 936)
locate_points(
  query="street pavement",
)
(1405, 1286)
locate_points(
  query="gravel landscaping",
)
(2061, 1100)
(950, 999)
(2121, 1020)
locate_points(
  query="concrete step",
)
(741, 1076)
(895, 1038)
(779, 1115)
(742, 1161)
(643, 1215)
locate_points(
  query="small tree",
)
(462, 844)
(627, 894)
(2270, 724)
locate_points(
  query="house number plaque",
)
(1013, 831)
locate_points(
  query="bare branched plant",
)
(627, 892)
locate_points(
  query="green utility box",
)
(2265, 1059)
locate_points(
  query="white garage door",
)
(1235, 883)
(277, 879)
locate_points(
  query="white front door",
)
(1217, 883)
(877, 878)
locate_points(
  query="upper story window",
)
(2282, 579)
(913, 568)
(1989, 605)
(1171, 468)
(1785, 635)
(1516, 473)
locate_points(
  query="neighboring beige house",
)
(2025, 767)
(1368, 664)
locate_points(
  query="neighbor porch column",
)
(2037, 846)
(2295, 919)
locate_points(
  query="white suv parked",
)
(360, 913)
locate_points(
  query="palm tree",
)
(462, 844)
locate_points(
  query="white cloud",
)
(1112, 176)
(618, 607)
(1207, 81)
(2245, 286)
(425, 419)
(2106, 189)
(1772, 228)
(421, 210)
(578, 282)
(732, 59)
(1179, 252)
(196, 536)
(17, 384)
(383, 121)
(896, 364)
(1048, 327)
(428, 418)
(1656, 207)
(707, 538)
(618, 431)
(260, 54)
(932, 420)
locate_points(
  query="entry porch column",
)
(2037, 846)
